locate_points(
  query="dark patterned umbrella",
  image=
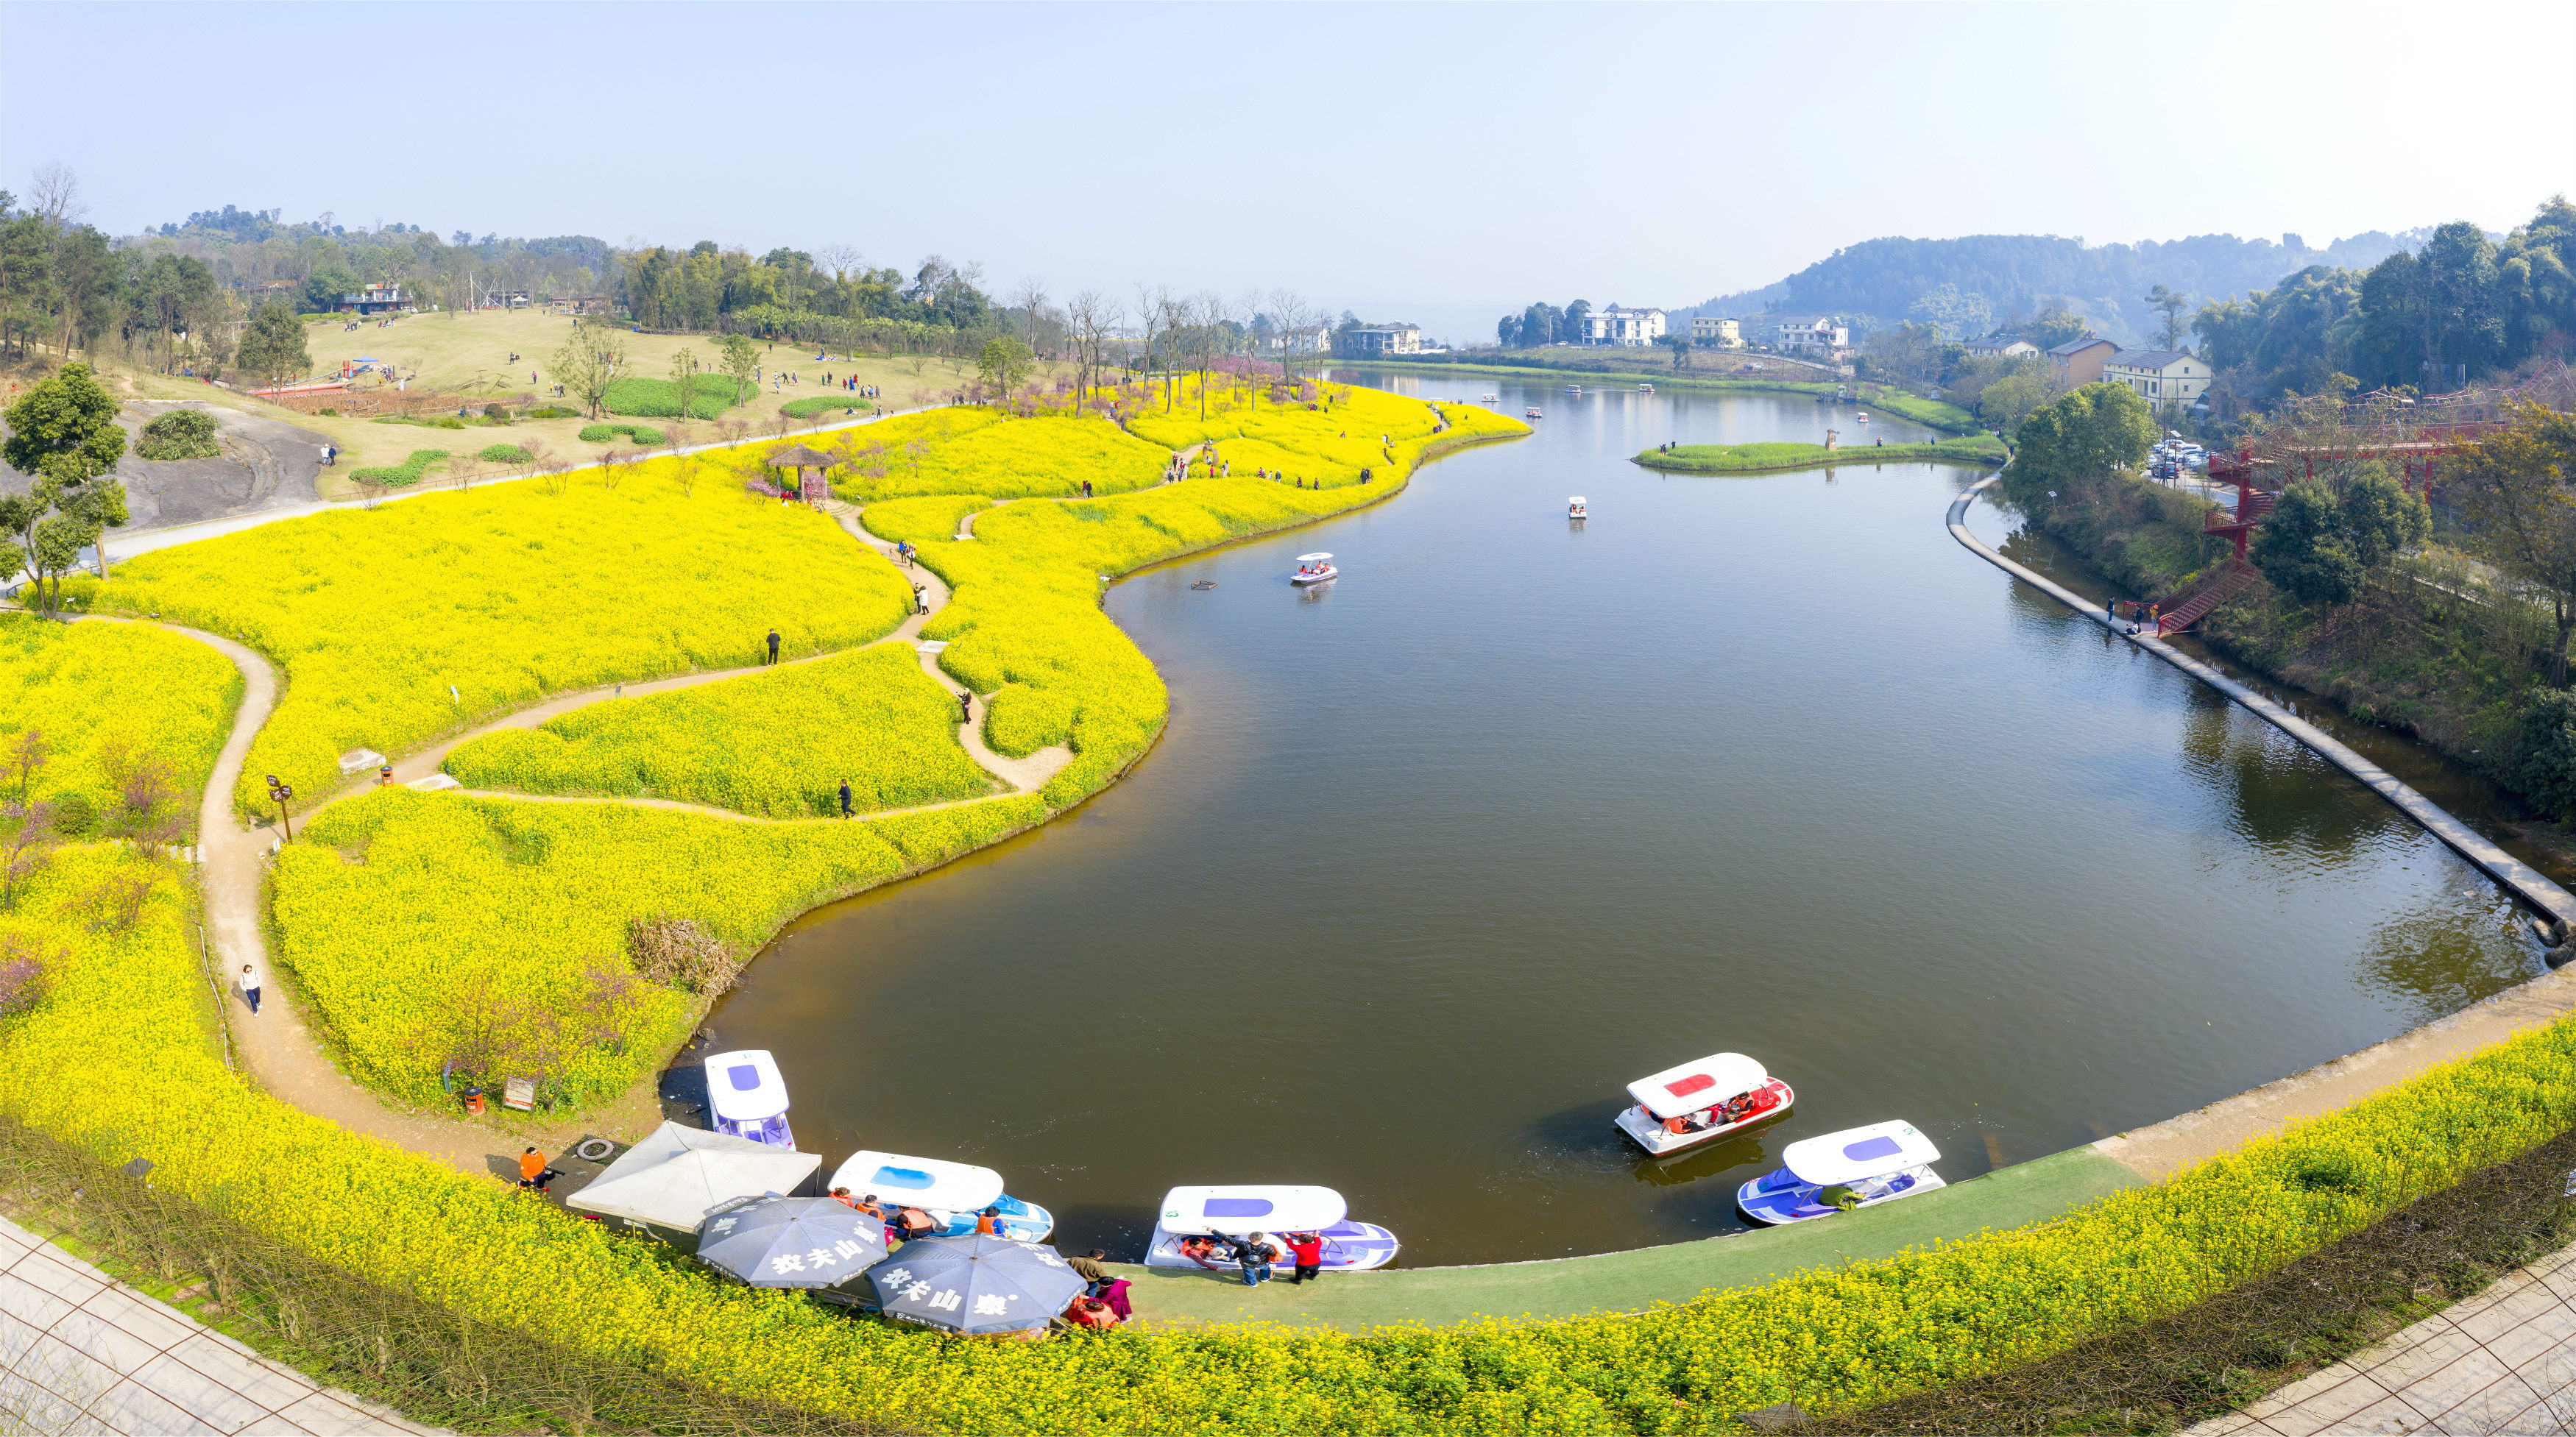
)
(790, 1242)
(975, 1284)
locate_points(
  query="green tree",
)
(323, 288)
(2170, 304)
(1571, 326)
(590, 358)
(741, 359)
(2082, 434)
(1005, 362)
(2302, 550)
(2518, 492)
(2379, 517)
(1680, 345)
(2544, 753)
(273, 347)
(685, 369)
(2056, 325)
(2017, 395)
(180, 434)
(1952, 313)
(64, 436)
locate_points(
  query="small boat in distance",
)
(1574, 508)
(1700, 1102)
(1574, 389)
(1533, 411)
(1864, 416)
(952, 1193)
(1493, 399)
(1314, 569)
(1645, 389)
(747, 1099)
(1195, 1221)
(1858, 1167)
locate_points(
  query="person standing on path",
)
(248, 980)
(773, 646)
(920, 599)
(533, 1172)
(1255, 1255)
(1308, 1249)
(966, 708)
(845, 798)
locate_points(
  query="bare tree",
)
(1031, 296)
(55, 197)
(684, 468)
(609, 459)
(1295, 316)
(840, 259)
(1154, 313)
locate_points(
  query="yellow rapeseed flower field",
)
(978, 451)
(94, 686)
(778, 743)
(504, 594)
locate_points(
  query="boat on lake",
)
(747, 1099)
(1855, 1168)
(1702, 1101)
(1645, 389)
(1314, 569)
(1533, 411)
(1575, 508)
(1195, 1222)
(952, 1193)
(1864, 416)
(1493, 399)
(1574, 389)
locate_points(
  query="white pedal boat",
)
(1533, 412)
(1701, 1102)
(1314, 569)
(1864, 416)
(1203, 1213)
(953, 1193)
(1492, 399)
(747, 1099)
(1868, 1166)
(1645, 389)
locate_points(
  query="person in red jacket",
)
(1308, 1249)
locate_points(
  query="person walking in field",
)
(845, 798)
(966, 708)
(920, 600)
(773, 646)
(249, 981)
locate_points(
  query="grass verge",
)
(1977, 449)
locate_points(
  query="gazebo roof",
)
(801, 457)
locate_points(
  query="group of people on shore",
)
(1102, 1305)
(1256, 1253)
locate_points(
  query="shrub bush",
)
(681, 953)
(404, 474)
(504, 454)
(643, 398)
(180, 434)
(604, 433)
(550, 411)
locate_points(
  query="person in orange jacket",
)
(533, 1172)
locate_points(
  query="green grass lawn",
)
(1761, 458)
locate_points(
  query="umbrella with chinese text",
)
(975, 1284)
(775, 1241)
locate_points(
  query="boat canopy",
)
(1856, 1154)
(1696, 1085)
(744, 1086)
(1312, 558)
(1262, 1208)
(919, 1182)
(1574, 499)
(675, 1176)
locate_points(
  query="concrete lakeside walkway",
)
(2525, 881)
(81, 1352)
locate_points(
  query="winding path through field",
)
(279, 1051)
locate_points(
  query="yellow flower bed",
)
(90, 684)
(976, 450)
(507, 593)
(778, 743)
(413, 920)
(127, 1070)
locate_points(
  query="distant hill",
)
(1879, 280)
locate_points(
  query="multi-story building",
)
(2079, 361)
(1817, 332)
(1623, 326)
(2159, 376)
(1370, 341)
(1711, 332)
(2008, 346)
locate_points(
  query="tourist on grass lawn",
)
(1094, 1276)
(1308, 1249)
(1256, 1254)
(773, 646)
(533, 1172)
(1114, 1292)
(845, 798)
(248, 979)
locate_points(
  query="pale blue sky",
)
(1438, 163)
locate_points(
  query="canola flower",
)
(777, 743)
(1830, 1340)
(979, 451)
(504, 594)
(92, 686)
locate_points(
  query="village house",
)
(1623, 326)
(1714, 333)
(1370, 341)
(1811, 332)
(1313, 339)
(2008, 346)
(374, 299)
(2079, 361)
(2159, 376)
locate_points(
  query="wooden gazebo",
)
(810, 465)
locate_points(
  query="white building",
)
(1377, 339)
(2159, 376)
(1314, 339)
(1623, 326)
(1716, 333)
(1820, 333)
(2010, 346)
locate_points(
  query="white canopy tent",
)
(1859, 1154)
(672, 1179)
(1698, 1084)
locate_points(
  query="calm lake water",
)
(1433, 862)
